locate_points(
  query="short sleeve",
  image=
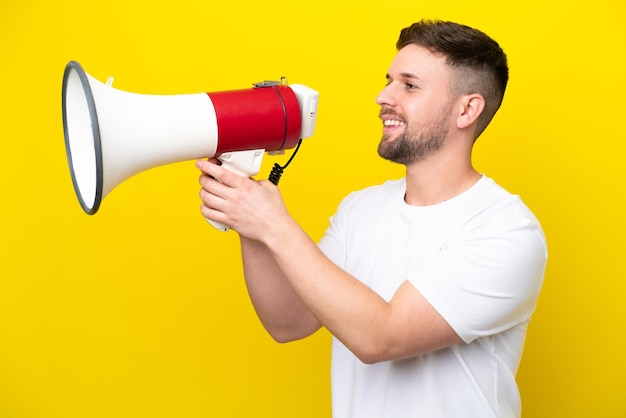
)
(488, 278)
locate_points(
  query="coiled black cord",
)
(277, 170)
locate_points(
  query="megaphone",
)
(111, 135)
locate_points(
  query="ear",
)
(472, 106)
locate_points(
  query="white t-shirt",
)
(479, 259)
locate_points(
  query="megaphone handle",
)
(218, 225)
(245, 163)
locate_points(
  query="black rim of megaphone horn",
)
(95, 129)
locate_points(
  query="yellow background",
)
(141, 311)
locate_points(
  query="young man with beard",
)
(426, 283)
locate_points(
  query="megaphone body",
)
(111, 135)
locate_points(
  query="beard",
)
(415, 145)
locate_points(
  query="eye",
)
(410, 86)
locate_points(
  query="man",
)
(426, 283)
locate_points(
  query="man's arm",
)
(372, 328)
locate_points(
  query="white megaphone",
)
(111, 135)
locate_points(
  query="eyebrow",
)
(406, 75)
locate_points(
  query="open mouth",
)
(393, 123)
(392, 126)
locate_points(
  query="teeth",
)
(390, 122)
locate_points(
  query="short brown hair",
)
(479, 64)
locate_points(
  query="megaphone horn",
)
(111, 135)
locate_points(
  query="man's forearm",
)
(280, 310)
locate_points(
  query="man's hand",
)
(252, 208)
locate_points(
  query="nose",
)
(386, 97)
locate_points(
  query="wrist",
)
(283, 232)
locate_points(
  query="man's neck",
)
(439, 178)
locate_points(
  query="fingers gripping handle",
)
(245, 163)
